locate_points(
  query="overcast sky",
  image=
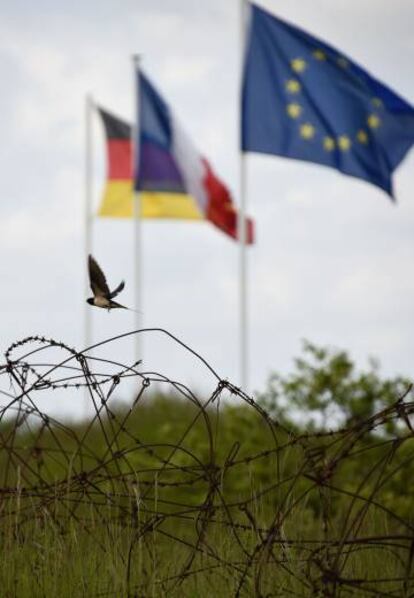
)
(334, 257)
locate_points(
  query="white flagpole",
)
(243, 278)
(89, 104)
(242, 227)
(137, 215)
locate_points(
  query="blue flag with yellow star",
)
(303, 99)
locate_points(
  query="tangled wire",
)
(263, 511)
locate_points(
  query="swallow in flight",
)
(102, 296)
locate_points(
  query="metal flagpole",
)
(243, 277)
(89, 104)
(242, 228)
(136, 214)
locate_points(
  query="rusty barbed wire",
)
(274, 520)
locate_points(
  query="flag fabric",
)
(117, 200)
(173, 179)
(167, 161)
(117, 196)
(303, 99)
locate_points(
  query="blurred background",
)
(333, 258)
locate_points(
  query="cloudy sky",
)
(334, 258)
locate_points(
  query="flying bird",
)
(102, 296)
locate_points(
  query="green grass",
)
(171, 500)
(97, 556)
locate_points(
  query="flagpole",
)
(136, 214)
(244, 378)
(89, 105)
(242, 227)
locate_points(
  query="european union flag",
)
(304, 99)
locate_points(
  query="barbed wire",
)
(279, 519)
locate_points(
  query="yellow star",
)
(377, 102)
(307, 131)
(344, 143)
(294, 110)
(362, 136)
(342, 62)
(293, 86)
(328, 144)
(319, 55)
(298, 65)
(373, 121)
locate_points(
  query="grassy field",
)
(187, 496)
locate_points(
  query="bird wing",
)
(116, 291)
(97, 279)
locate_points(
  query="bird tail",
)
(114, 305)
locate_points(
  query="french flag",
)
(168, 162)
